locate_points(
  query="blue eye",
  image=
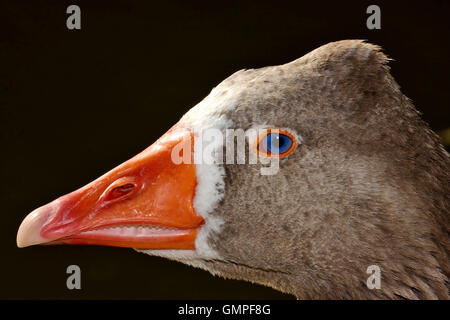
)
(280, 143)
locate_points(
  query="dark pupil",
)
(282, 141)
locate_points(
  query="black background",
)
(75, 104)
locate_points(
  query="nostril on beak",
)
(119, 191)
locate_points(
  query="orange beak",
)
(146, 202)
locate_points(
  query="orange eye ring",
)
(264, 140)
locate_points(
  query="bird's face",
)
(308, 214)
(165, 206)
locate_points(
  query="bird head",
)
(333, 181)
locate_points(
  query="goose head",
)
(346, 176)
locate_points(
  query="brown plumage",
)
(368, 185)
